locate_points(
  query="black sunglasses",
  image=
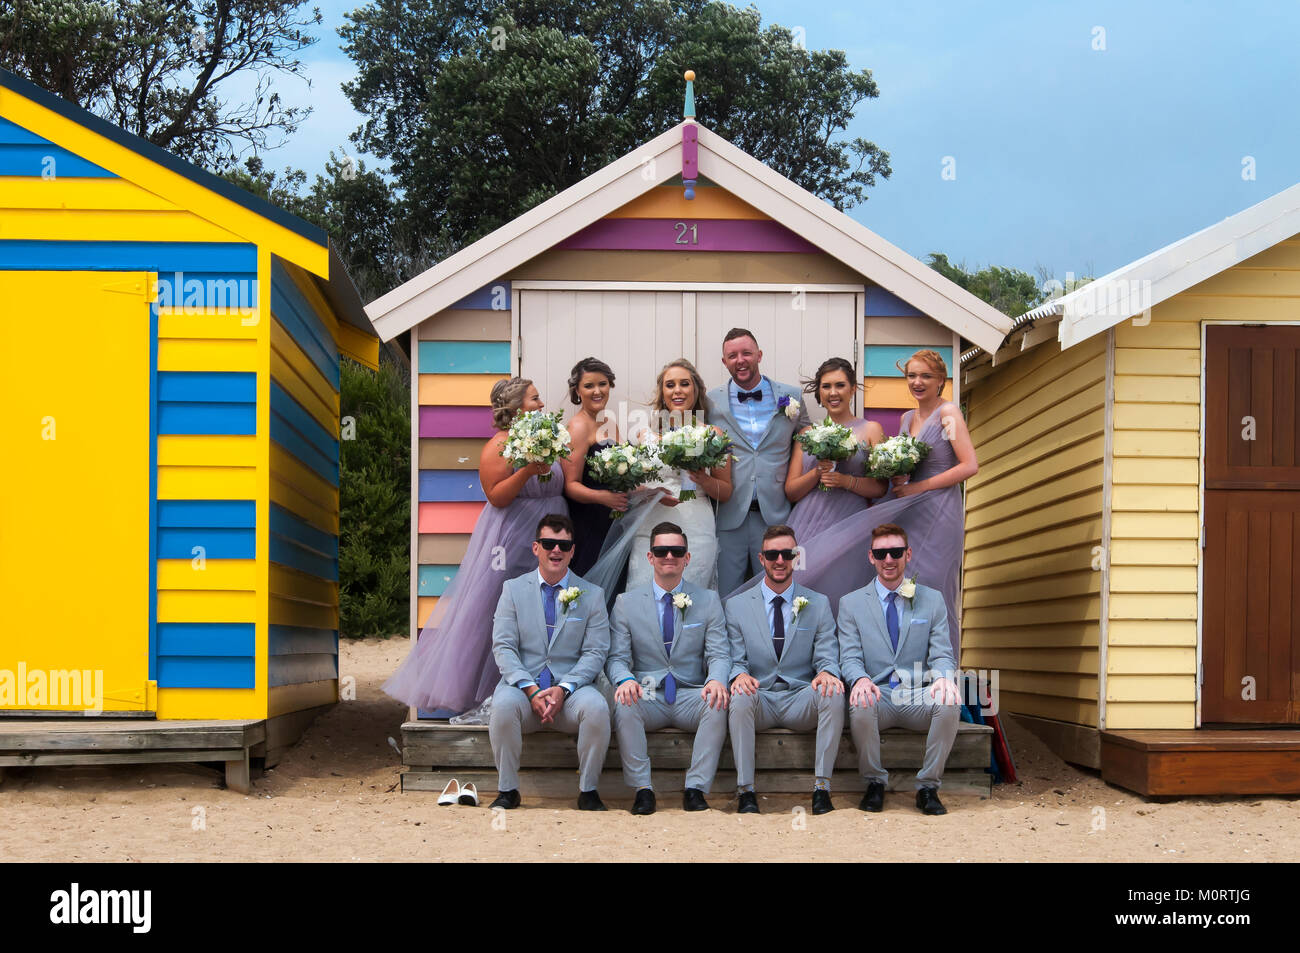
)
(548, 543)
(772, 555)
(659, 552)
(895, 551)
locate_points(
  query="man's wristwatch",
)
(567, 691)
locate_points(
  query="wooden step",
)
(435, 751)
(1199, 761)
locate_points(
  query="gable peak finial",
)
(688, 112)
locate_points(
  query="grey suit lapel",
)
(655, 612)
(759, 609)
(877, 612)
(776, 398)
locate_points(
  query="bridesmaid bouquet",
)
(895, 456)
(828, 441)
(623, 467)
(693, 448)
(536, 437)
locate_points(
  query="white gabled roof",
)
(656, 162)
(1132, 289)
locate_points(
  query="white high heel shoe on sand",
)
(450, 793)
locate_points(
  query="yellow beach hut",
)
(169, 509)
(652, 258)
(1133, 536)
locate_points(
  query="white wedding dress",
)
(695, 517)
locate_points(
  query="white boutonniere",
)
(799, 603)
(682, 601)
(569, 597)
(789, 406)
(907, 588)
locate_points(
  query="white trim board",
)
(541, 228)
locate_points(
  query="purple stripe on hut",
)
(889, 420)
(456, 422)
(663, 234)
(690, 152)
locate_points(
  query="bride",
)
(679, 398)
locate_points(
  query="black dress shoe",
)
(874, 800)
(822, 802)
(748, 803)
(590, 801)
(927, 801)
(506, 800)
(644, 802)
(693, 800)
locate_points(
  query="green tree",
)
(1011, 291)
(166, 70)
(484, 110)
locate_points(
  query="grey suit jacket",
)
(700, 652)
(811, 645)
(578, 648)
(758, 471)
(923, 643)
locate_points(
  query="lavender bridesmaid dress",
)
(836, 557)
(451, 666)
(819, 510)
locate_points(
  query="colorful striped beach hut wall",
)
(170, 507)
(652, 258)
(1133, 535)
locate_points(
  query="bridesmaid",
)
(850, 489)
(590, 502)
(451, 667)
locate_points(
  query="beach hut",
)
(169, 511)
(1133, 536)
(651, 258)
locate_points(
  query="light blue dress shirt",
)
(787, 610)
(882, 593)
(753, 416)
(559, 610)
(659, 602)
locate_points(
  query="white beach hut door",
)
(635, 332)
(796, 331)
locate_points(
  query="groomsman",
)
(550, 638)
(784, 668)
(896, 655)
(668, 661)
(762, 416)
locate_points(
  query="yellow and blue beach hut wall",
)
(183, 384)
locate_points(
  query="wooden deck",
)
(41, 742)
(1203, 761)
(434, 752)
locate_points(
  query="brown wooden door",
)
(1251, 575)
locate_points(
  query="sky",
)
(1070, 137)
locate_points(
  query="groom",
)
(550, 636)
(895, 652)
(762, 416)
(668, 661)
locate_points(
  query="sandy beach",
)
(336, 797)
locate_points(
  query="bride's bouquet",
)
(536, 437)
(693, 448)
(623, 467)
(895, 456)
(828, 441)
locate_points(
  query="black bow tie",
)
(745, 395)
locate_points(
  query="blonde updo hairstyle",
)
(931, 359)
(507, 397)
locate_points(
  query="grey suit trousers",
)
(912, 709)
(689, 712)
(738, 552)
(800, 710)
(584, 714)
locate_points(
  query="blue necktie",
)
(778, 626)
(670, 684)
(548, 604)
(891, 621)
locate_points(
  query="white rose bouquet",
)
(895, 456)
(623, 467)
(536, 437)
(693, 448)
(828, 441)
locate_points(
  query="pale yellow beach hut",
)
(1133, 536)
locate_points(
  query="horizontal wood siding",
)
(1031, 597)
